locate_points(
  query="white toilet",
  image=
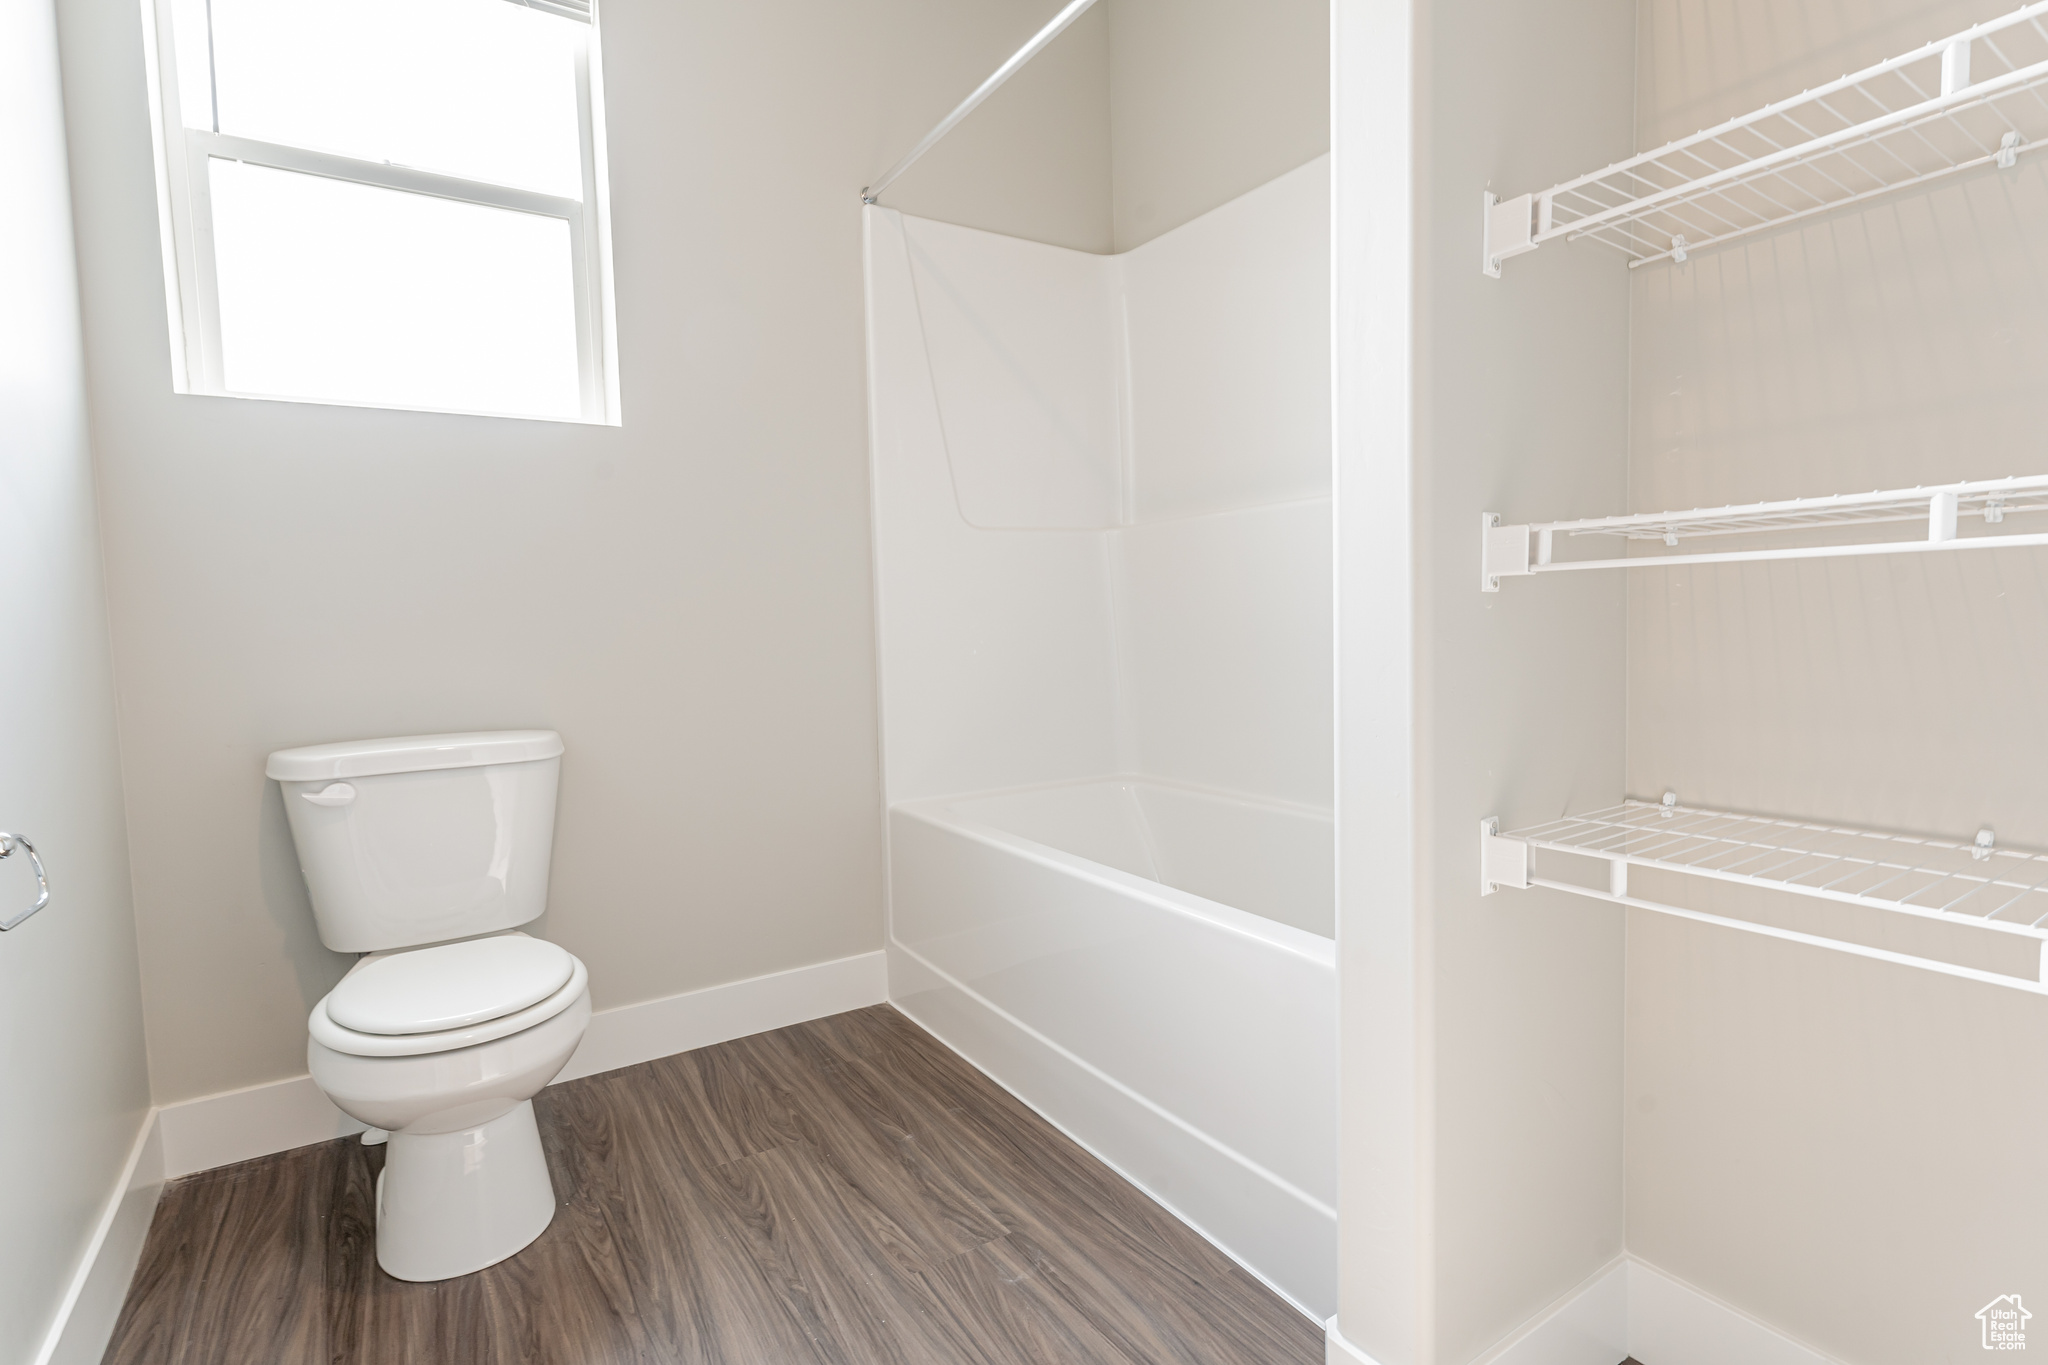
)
(425, 854)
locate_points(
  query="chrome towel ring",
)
(9, 843)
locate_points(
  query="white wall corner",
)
(1629, 1308)
(84, 1322)
(1586, 1326)
(1337, 1350)
(239, 1125)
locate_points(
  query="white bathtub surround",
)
(1103, 579)
(1629, 1309)
(1190, 1044)
(1102, 519)
(1234, 852)
(218, 1130)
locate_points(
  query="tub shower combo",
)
(1102, 563)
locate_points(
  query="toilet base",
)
(449, 1204)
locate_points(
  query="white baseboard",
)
(639, 1033)
(237, 1125)
(1338, 1350)
(92, 1301)
(1589, 1325)
(1672, 1323)
(1629, 1308)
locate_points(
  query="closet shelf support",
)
(1978, 886)
(1962, 102)
(1863, 523)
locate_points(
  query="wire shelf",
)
(1509, 551)
(1994, 888)
(1969, 100)
(1978, 885)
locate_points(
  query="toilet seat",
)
(330, 1034)
(451, 986)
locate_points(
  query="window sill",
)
(609, 421)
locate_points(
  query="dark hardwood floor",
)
(837, 1193)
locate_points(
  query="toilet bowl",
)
(424, 854)
(465, 1183)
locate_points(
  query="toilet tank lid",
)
(411, 754)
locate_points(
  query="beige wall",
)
(686, 597)
(1209, 99)
(1144, 115)
(1836, 1146)
(1523, 400)
(73, 1086)
(1034, 161)
(1846, 1149)
(1498, 1175)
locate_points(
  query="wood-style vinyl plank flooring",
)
(841, 1192)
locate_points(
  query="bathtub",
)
(1152, 968)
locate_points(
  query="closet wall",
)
(1845, 1149)
(1482, 1052)
(1521, 403)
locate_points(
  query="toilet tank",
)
(425, 838)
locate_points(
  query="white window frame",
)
(184, 206)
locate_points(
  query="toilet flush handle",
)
(333, 794)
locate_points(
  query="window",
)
(392, 203)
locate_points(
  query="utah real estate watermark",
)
(2005, 1323)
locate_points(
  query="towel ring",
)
(9, 843)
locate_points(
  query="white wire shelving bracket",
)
(1972, 99)
(1515, 550)
(1979, 885)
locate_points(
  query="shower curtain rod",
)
(981, 92)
